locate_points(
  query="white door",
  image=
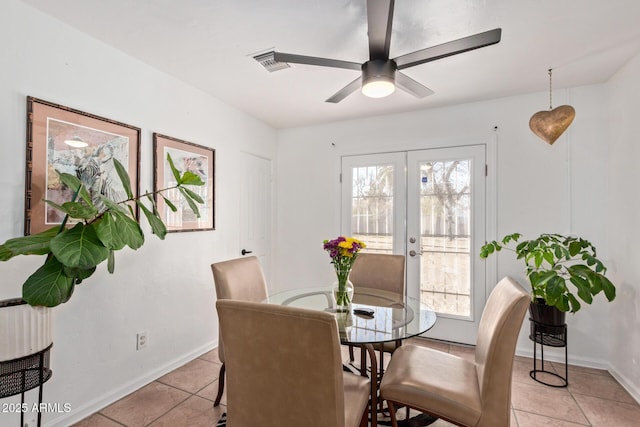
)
(255, 209)
(445, 230)
(428, 205)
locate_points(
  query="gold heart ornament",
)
(549, 125)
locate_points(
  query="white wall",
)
(165, 288)
(623, 208)
(540, 188)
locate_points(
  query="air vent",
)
(270, 64)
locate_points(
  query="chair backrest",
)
(495, 348)
(379, 271)
(238, 279)
(284, 365)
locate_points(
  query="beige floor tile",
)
(193, 412)
(436, 345)
(607, 413)
(211, 356)
(548, 401)
(526, 419)
(211, 391)
(192, 376)
(97, 420)
(144, 406)
(597, 385)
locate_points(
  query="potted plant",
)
(73, 253)
(562, 270)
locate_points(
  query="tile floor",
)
(184, 398)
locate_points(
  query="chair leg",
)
(392, 412)
(220, 386)
(351, 355)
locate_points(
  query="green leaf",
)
(538, 257)
(176, 172)
(35, 244)
(548, 256)
(584, 290)
(190, 178)
(574, 248)
(192, 194)
(107, 232)
(609, 289)
(575, 304)
(5, 253)
(191, 203)
(48, 286)
(75, 209)
(170, 204)
(76, 185)
(124, 177)
(79, 247)
(116, 206)
(78, 274)
(111, 262)
(556, 287)
(157, 226)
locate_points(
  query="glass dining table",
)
(392, 318)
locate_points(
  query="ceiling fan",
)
(381, 75)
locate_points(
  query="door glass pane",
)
(372, 207)
(445, 229)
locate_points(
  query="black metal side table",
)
(23, 374)
(551, 336)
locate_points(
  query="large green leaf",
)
(48, 286)
(107, 232)
(75, 209)
(157, 226)
(609, 289)
(79, 274)
(124, 177)
(35, 244)
(117, 207)
(79, 247)
(75, 184)
(584, 289)
(190, 178)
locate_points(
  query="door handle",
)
(245, 252)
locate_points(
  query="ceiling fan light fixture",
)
(378, 78)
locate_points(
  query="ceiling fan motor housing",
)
(378, 77)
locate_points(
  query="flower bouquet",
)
(343, 252)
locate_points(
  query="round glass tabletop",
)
(394, 317)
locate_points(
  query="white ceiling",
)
(210, 44)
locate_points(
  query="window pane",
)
(445, 210)
(372, 207)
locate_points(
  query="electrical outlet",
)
(141, 341)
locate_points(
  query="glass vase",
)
(342, 292)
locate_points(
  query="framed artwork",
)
(81, 144)
(186, 156)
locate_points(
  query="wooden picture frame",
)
(186, 156)
(78, 143)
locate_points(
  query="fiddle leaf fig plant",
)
(562, 270)
(73, 253)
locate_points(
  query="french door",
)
(428, 205)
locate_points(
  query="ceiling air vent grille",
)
(270, 64)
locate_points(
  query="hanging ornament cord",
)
(550, 91)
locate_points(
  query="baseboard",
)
(91, 407)
(557, 355)
(632, 389)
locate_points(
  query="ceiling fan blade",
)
(411, 86)
(379, 19)
(345, 91)
(312, 60)
(454, 47)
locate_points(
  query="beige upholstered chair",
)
(464, 392)
(382, 272)
(284, 368)
(237, 279)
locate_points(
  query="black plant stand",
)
(23, 374)
(551, 336)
